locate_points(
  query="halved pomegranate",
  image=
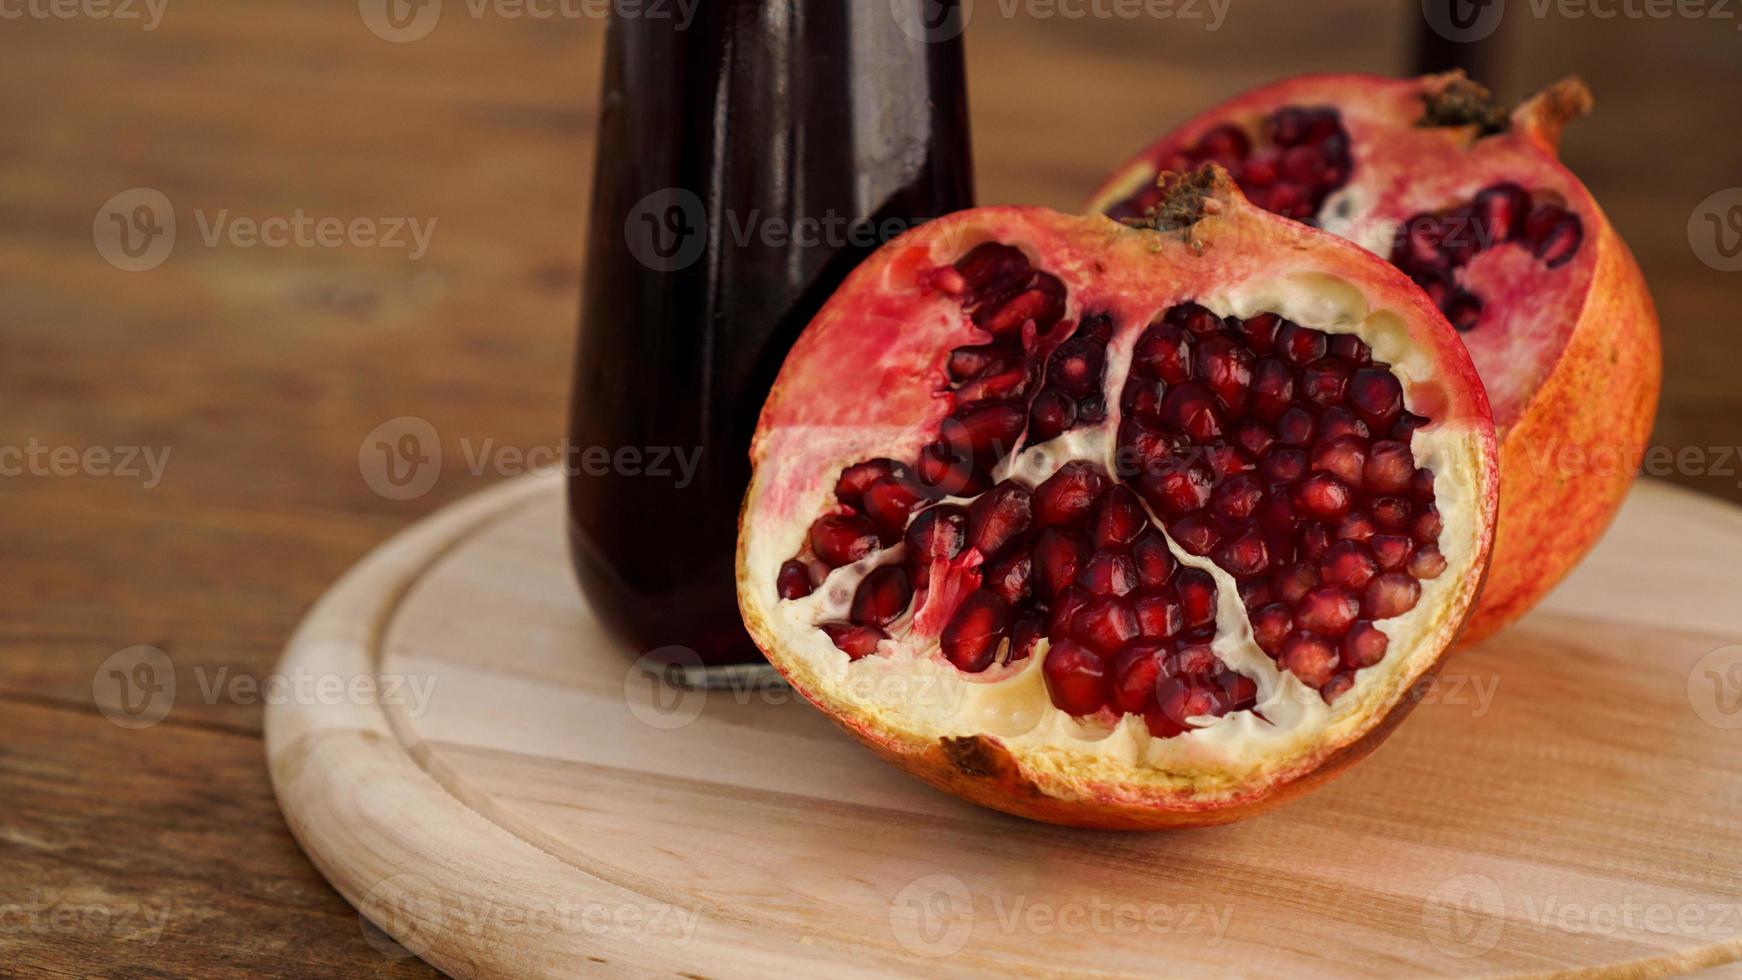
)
(1472, 202)
(1115, 526)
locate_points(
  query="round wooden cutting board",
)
(493, 782)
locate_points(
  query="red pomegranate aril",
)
(793, 580)
(1237, 498)
(991, 269)
(1224, 144)
(1427, 562)
(1272, 388)
(1349, 564)
(1259, 331)
(1294, 581)
(1464, 310)
(1344, 457)
(1270, 626)
(1284, 464)
(1337, 686)
(1315, 540)
(1253, 436)
(1322, 496)
(947, 472)
(1301, 345)
(1226, 368)
(888, 502)
(937, 533)
(1391, 551)
(1058, 554)
(1068, 496)
(1119, 518)
(1390, 467)
(998, 517)
(1065, 606)
(970, 639)
(1196, 661)
(1351, 348)
(1428, 525)
(1196, 533)
(1364, 645)
(1010, 577)
(1328, 610)
(1406, 425)
(1153, 559)
(1191, 408)
(1197, 596)
(1178, 491)
(1226, 460)
(1043, 302)
(1196, 320)
(1255, 592)
(1025, 634)
(1051, 415)
(1499, 212)
(842, 539)
(1076, 365)
(985, 431)
(1390, 594)
(1391, 513)
(1338, 422)
(855, 641)
(1325, 381)
(1076, 678)
(1001, 380)
(970, 362)
(1245, 555)
(1136, 670)
(1296, 426)
(1377, 395)
(1309, 657)
(1553, 233)
(1421, 485)
(1180, 700)
(850, 488)
(1159, 613)
(1163, 353)
(1109, 571)
(1356, 526)
(882, 597)
(1105, 624)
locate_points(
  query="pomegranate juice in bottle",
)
(748, 158)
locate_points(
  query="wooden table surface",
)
(160, 851)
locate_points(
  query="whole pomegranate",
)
(1119, 526)
(1472, 202)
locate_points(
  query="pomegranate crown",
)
(1187, 198)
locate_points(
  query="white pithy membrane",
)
(910, 688)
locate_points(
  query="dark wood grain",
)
(261, 370)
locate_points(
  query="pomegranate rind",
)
(861, 383)
(1575, 401)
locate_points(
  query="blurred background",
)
(255, 373)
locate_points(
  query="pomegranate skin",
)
(861, 381)
(1574, 429)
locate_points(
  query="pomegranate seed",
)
(1180, 701)
(1344, 457)
(1195, 661)
(855, 641)
(1109, 571)
(1328, 610)
(1119, 519)
(1315, 540)
(1238, 498)
(1196, 533)
(1025, 635)
(882, 597)
(1136, 671)
(850, 488)
(1225, 460)
(1000, 380)
(1337, 686)
(1349, 564)
(1179, 491)
(1309, 657)
(1010, 576)
(794, 580)
(1091, 410)
(1076, 679)
(1076, 365)
(1052, 415)
(1321, 496)
(1144, 448)
(1499, 212)
(1245, 555)
(1238, 692)
(1097, 327)
(1294, 581)
(1376, 395)
(1270, 626)
(1191, 408)
(888, 502)
(1153, 559)
(1390, 550)
(1421, 485)
(1338, 422)
(1364, 646)
(1253, 436)
(1254, 592)
(1197, 596)
(971, 362)
(1390, 594)
(991, 269)
(1164, 353)
(1069, 602)
(1351, 348)
(1356, 527)
(1406, 425)
(1043, 302)
(1068, 496)
(1285, 464)
(1463, 309)
(1428, 525)
(971, 638)
(842, 539)
(1390, 467)
(998, 517)
(1142, 399)
(1301, 345)
(1058, 554)
(1226, 144)
(1159, 614)
(1227, 368)
(1105, 624)
(946, 472)
(1553, 233)
(1391, 513)
(1324, 381)
(1427, 562)
(1272, 388)
(986, 431)
(1295, 428)
(1195, 319)
(937, 534)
